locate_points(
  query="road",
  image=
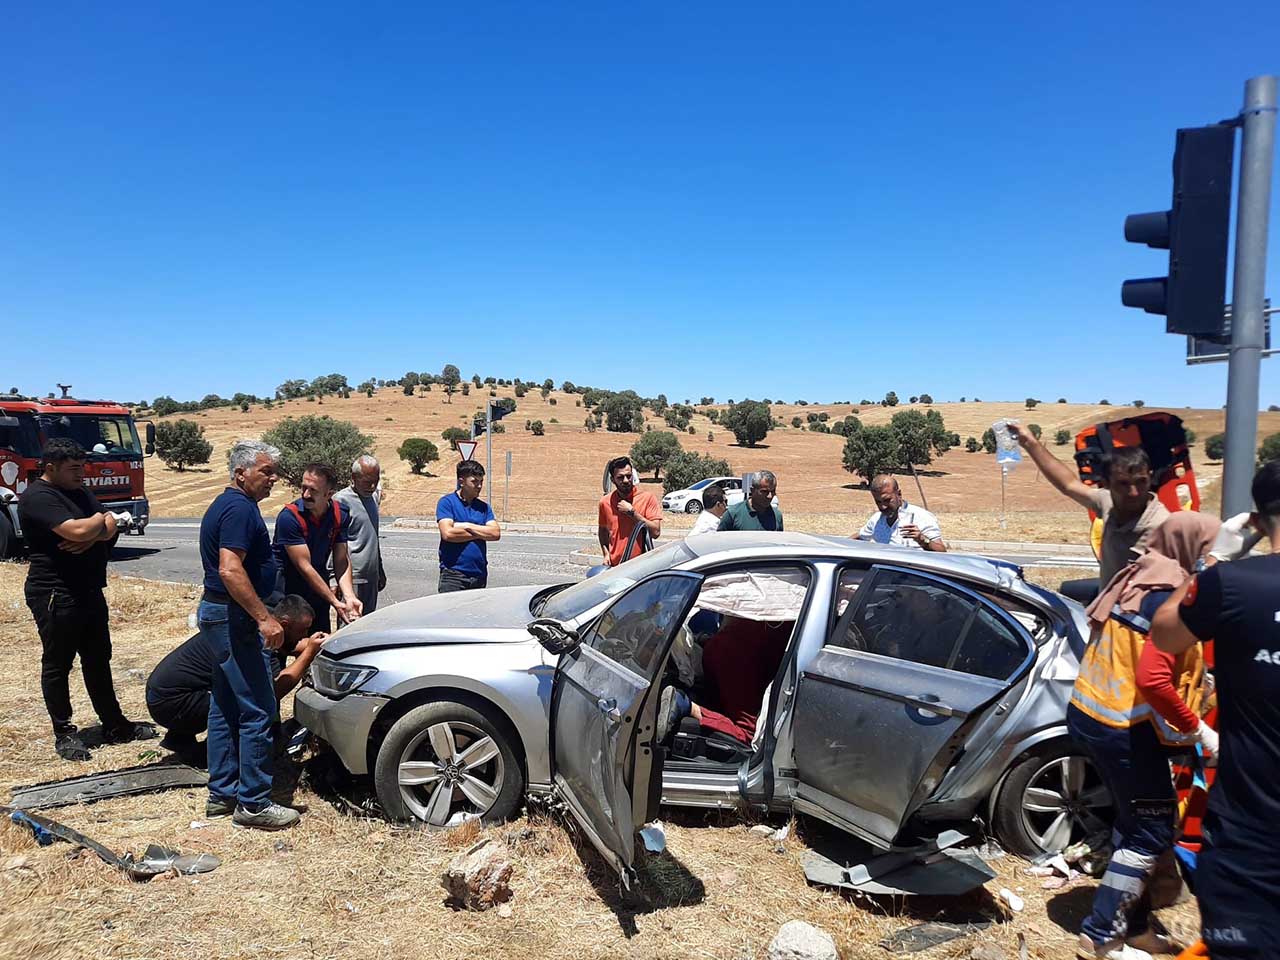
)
(170, 551)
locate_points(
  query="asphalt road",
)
(170, 551)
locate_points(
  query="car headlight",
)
(336, 679)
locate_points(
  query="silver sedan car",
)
(881, 690)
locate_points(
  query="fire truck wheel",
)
(6, 537)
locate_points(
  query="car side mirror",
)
(554, 636)
(151, 439)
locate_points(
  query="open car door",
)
(606, 763)
(889, 702)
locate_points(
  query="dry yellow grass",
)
(557, 477)
(342, 887)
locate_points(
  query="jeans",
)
(242, 708)
(71, 624)
(1135, 767)
(451, 581)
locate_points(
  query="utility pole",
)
(488, 439)
(1257, 149)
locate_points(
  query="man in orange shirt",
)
(620, 509)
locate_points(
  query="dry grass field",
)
(556, 477)
(345, 887)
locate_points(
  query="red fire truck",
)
(106, 430)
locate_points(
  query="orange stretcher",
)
(1164, 439)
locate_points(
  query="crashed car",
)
(911, 689)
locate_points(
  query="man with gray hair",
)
(364, 552)
(239, 574)
(756, 511)
(900, 523)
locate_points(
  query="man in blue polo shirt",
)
(310, 532)
(466, 525)
(239, 574)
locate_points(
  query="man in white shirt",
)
(900, 523)
(714, 505)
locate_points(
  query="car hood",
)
(470, 616)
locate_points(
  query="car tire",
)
(694, 505)
(7, 539)
(1027, 820)
(416, 739)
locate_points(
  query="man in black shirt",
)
(69, 538)
(1237, 605)
(179, 687)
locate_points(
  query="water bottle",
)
(1008, 453)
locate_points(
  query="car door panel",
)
(603, 708)
(886, 706)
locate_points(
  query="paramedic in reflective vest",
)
(310, 532)
(1237, 606)
(1130, 512)
(1129, 739)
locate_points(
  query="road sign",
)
(1205, 350)
(467, 449)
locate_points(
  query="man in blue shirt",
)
(239, 574)
(466, 525)
(309, 533)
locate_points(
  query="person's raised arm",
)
(1055, 471)
(236, 582)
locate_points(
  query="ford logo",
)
(107, 473)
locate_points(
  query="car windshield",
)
(576, 600)
(700, 484)
(97, 434)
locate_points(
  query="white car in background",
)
(689, 500)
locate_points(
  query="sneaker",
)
(672, 708)
(271, 817)
(216, 807)
(69, 746)
(1111, 950)
(1154, 943)
(129, 731)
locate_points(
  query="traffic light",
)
(497, 410)
(1195, 233)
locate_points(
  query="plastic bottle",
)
(1008, 452)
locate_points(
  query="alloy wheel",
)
(450, 772)
(1065, 801)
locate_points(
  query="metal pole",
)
(1249, 281)
(488, 441)
(1004, 476)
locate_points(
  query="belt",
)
(214, 596)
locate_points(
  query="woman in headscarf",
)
(1130, 736)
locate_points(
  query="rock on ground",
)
(798, 940)
(986, 951)
(479, 878)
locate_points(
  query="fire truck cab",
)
(106, 430)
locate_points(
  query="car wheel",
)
(445, 763)
(694, 505)
(6, 536)
(1050, 800)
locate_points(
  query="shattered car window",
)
(633, 631)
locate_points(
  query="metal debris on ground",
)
(991, 850)
(937, 868)
(155, 859)
(127, 782)
(922, 936)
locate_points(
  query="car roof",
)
(734, 544)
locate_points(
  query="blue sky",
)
(726, 199)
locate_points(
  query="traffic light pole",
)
(1257, 148)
